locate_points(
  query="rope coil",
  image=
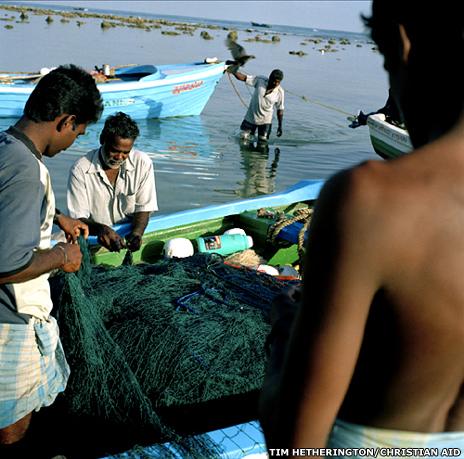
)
(300, 215)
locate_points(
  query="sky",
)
(326, 14)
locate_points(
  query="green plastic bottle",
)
(225, 244)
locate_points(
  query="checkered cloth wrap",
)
(33, 368)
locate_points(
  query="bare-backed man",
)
(375, 356)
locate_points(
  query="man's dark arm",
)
(139, 223)
(239, 76)
(106, 235)
(280, 117)
(62, 256)
(72, 228)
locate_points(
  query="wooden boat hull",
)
(389, 141)
(140, 91)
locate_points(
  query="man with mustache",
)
(114, 184)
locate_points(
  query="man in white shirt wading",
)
(267, 94)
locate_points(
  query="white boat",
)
(389, 141)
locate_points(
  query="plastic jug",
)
(225, 244)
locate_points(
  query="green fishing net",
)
(141, 339)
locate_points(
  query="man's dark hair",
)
(120, 125)
(67, 89)
(276, 74)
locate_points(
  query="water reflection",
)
(179, 148)
(175, 139)
(259, 162)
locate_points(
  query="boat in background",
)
(257, 24)
(389, 140)
(140, 91)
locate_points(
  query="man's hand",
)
(72, 256)
(279, 131)
(134, 242)
(109, 239)
(72, 227)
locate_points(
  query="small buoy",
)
(268, 270)
(178, 248)
(235, 231)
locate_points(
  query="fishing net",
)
(141, 339)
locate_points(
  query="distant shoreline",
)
(124, 16)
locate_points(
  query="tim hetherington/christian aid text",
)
(366, 452)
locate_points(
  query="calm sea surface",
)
(198, 160)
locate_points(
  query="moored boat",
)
(258, 24)
(141, 91)
(388, 140)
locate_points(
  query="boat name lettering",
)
(187, 87)
(118, 102)
(396, 136)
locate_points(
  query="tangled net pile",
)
(150, 336)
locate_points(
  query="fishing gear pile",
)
(141, 339)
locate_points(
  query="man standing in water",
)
(33, 366)
(375, 354)
(267, 94)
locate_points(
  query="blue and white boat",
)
(388, 140)
(141, 91)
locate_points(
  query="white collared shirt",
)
(261, 106)
(91, 195)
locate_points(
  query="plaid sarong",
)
(33, 368)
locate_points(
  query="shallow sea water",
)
(198, 160)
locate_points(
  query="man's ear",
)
(406, 44)
(64, 121)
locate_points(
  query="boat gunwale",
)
(305, 190)
(204, 71)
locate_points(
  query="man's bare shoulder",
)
(373, 202)
(356, 193)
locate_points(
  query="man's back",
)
(379, 339)
(410, 368)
